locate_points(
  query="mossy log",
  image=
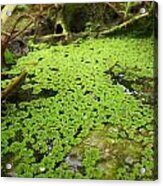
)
(15, 83)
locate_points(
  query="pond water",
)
(85, 110)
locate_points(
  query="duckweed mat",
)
(85, 110)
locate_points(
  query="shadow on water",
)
(142, 88)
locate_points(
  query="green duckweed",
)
(85, 97)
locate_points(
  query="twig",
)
(21, 31)
(5, 33)
(124, 24)
(127, 9)
(48, 37)
(19, 19)
(8, 37)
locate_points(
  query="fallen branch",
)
(15, 83)
(47, 38)
(51, 36)
(124, 24)
(66, 36)
(73, 36)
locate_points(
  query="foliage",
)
(9, 57)
(70, 92)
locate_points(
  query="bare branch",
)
(124, 24)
